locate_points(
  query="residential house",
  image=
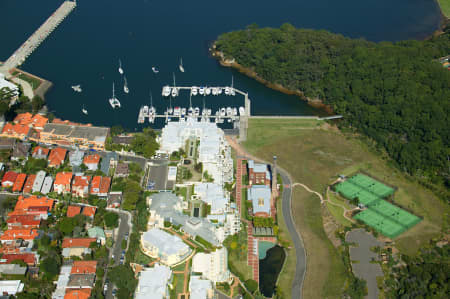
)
(122, 170)
(91, 161)
(23, 221)
(72, 211)
(12, 269)
(100, 186)
(260, 196)
(109, 161)
(84, 267)
(89, 211)
(40, 152)
(81, 281)
(15, 131)
(7, 143)
(23, 118)
(76, 246)
(76, 157)
(28, 186)
(20, 151)
(27, 234)
(29, 258)
(33, 205)
(63, 280)
(80, 186)
(97, 233)
(11, 287)
(57, 157)
(258, 173)
(47, 185)
(38, 122)
(114, 199)
(62, 182)
(39, 180)
(9, 179)
(20, 181)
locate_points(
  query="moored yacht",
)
(155, 70)
(141, 117)
(241, 111)
(166, 91)
(201, 90)
(177, 111)
(208, 91)
(183, 111)
(84, 110)
(227, 91)
(196, 111)
(194, 90)
(114, 102)
(181, 65)
(120, 67)
(125, 85)
(174, 92)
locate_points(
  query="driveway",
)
(124, 227)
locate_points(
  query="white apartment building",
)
(213, 266)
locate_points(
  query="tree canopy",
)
(395, 93)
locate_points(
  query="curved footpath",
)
(300, 268)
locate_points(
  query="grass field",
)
(337, 211)
(316, 155)
(33, 81)
(445, 7)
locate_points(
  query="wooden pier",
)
(25, 50)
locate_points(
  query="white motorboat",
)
(241, 110)
(145, 110)
(181, 65)
(125, 85)
(155, 70)
(232, 92)
(141, 117)
(120, 67)
(222, 111)
(170, 111)
(166, 91)
(229, 111)
(196, 111)
(219, 90)
(174, 92)
(183, 111)
(207, 91)
(77, 88)
(84, 110)
(114, 102)
(215, 91)
(194, 90)
(177, 111)
(227, 91)
(235, 111)
(190, 111)
(201, 91)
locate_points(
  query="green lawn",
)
(177, 283)
(337, 211)
(445, 7)
(33, 81)
(316, 154)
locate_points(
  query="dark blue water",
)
(86, 47)
(269, 268)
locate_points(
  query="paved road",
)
(124, 227)
(300, 252)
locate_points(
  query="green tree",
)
(111, 219)
(49, 267)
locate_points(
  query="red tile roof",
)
(23, 118)
(57, 156)
(17, 129)
(38, 121)
(100, 184)
(28, 187)
(77, 293)
(72, 211)
(91, 159)
(28, 258)
(27, 119)
(24, 220)
(9, 177)
(39, 150)
(33, 203)
(63, 178)
(20, 181)
(78, 242)
(15, 234)
(84, 267)
(89, 211)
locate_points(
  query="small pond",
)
(269, 268)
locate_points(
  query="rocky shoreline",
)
(316, 103)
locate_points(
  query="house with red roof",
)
(29, 258)
(15, 131)
(40, 152)
(76, 246)
(26, 234)
(20, 181)
(23, 221)
(27, 119)
(28, 187)
(78, 293)
(62, 182)
(100, 186)
(23, 118)
(57, 157)
(91, 161)
(9, 179)
(73, 211)
(33, 205)
(89, 211)
(80, 186)
(84, 267)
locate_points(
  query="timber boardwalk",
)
(25, 50)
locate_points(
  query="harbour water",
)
(86, 47)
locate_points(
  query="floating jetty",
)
(25, 50)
